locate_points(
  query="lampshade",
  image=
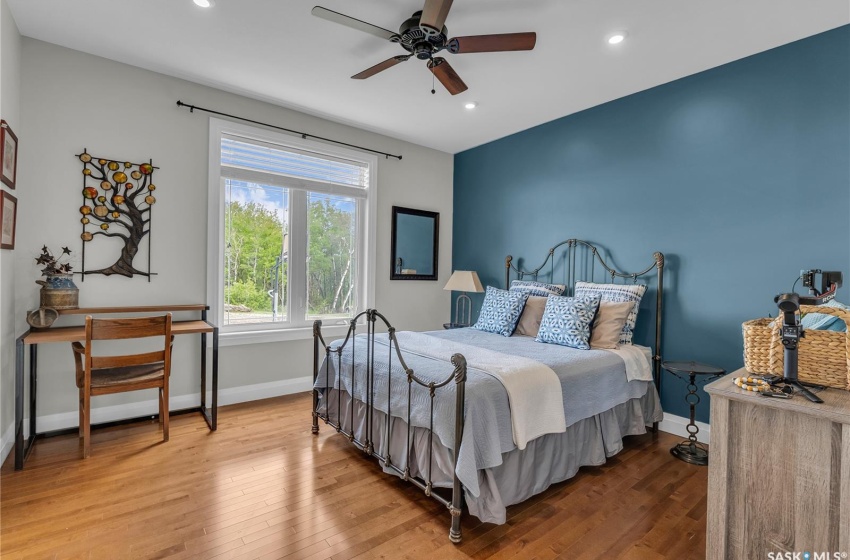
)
(464, 281)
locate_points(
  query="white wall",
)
(10, 65)
(71, 101)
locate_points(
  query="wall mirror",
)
(415, 243)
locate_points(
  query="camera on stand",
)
(792, 329)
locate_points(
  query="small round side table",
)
(690, 450)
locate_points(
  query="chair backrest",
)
(127, 328)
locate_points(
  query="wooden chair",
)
(104, 375)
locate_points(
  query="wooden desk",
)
(31, 338)
(779, 477)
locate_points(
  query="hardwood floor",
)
(263, 486)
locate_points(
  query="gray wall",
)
(72, 101)
(10, 75)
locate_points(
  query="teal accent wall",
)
(739, 174)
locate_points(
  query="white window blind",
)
(291, 162)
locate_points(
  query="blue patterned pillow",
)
(616, 292)
(534, 288)
(822, 321)
(566, 321)
(500, 311)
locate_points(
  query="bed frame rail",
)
(327, 351)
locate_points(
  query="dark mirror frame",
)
(413, 212)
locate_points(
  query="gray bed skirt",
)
(545, 461)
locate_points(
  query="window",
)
(291, 233)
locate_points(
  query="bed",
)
(435, 410)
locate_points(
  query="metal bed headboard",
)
(580, 259)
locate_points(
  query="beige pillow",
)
(532, 314)
(608, 323)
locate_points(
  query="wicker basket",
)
(824, 356)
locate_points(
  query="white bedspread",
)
(533, 388)
(638, 360)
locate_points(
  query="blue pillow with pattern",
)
(534, 288)
(500, 311)
(566, 321)
(822, 321)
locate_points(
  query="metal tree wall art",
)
(117, 202)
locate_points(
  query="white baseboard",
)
(6, 443)
(99, 415)
(675, 425)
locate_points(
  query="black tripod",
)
(792, 330)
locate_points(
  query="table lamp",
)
(463, 281)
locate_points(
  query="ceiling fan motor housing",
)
(421, 42)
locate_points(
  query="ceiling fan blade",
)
(434, 16)
(493, 43)
(447, 75)
(348, 21)
(380, 67)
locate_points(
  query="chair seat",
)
(129, 375)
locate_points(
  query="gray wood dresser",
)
(779, 474)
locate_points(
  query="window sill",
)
(241, 338)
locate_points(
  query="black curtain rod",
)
(304, 135)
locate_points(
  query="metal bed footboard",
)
(458, 375)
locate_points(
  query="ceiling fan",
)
(423, 35)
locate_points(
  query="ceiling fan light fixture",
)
(424, 35)
(617, 38)
(204, 3)
(471, 105)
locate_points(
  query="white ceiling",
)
(276, 51)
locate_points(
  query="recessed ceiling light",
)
(616, 38)
(205, 3)
(471, 105)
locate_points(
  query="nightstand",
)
(691, 451)
(779, 477)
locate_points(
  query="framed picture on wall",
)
(8, 217)
(9, 153)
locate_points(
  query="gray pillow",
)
(608, 324)
(532, 314)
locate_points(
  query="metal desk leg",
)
(210, 414)
(24, 446)
(33, 387)
(19, 404)
(215, 380)
(203, 371)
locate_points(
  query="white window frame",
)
(365, 252)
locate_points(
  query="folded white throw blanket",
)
(534, 390)
(638, 360)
